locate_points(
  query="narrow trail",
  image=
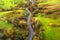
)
(30, 36)
(30, 28)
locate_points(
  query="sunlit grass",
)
(50, 33)
(51, 2)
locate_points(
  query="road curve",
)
(30, 36)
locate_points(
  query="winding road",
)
(28, 22)
(30, 28)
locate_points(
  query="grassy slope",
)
(50, 33)
(4, 24)
(50, 2)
